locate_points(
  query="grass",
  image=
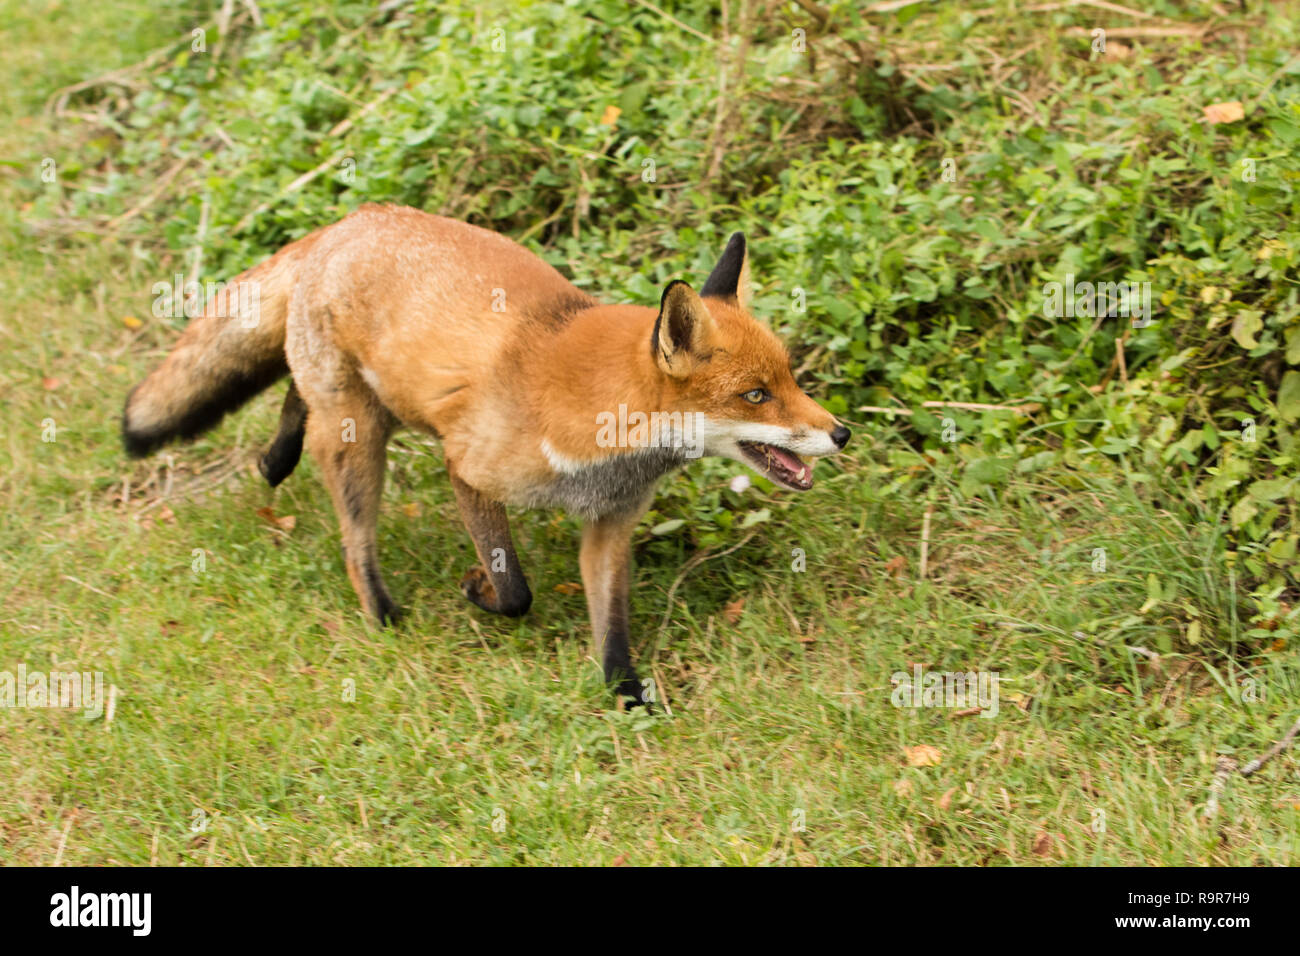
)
(476, 740)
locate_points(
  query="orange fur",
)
(396, 317)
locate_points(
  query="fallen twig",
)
(1273, 751)
(674, 21)
(1139, 33)
(1027, 408)
(689, 566)
(339, 129)
(925, 539)
(293, 187)
(159, 188)
(1223, 769)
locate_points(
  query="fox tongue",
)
(787, 461)
(779, 464)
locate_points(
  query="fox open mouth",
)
(782, 466)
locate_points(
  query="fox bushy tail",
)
(234, 350)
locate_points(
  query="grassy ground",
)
(471, 739)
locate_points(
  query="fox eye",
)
(756, 396)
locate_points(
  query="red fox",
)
(541, 396)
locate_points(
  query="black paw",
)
(280, 459)
(389, 613)
(632, 692)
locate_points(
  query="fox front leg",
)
(606, 559)
(497, 584)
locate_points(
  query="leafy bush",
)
(910, 182)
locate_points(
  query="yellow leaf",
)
(131, 322)
(1225, 112)
(923, 755)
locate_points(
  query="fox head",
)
(722, 364)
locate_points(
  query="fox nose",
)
(841, 436)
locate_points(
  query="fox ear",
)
(683, 331)
(730, 277)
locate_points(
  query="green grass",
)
(230, 681)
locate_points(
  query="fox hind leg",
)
(348, 435)
(497, 583)
(282, 457)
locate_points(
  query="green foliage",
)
(895, 283)
(1092, 552)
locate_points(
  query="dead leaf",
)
(923, 755)
(285, 523)
(50, 384)
(903, 788)
(131, 322)
(1043, 843)
(1118, 51)
(569, 587)
(968, 712)
(1021, 701)
(944, 802)
(611, 115)
(411, 509)
(734, 610)
(1225, 112)
(166, 514)
(896, 565)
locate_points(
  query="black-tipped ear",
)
(682, 332)
(725, 280)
